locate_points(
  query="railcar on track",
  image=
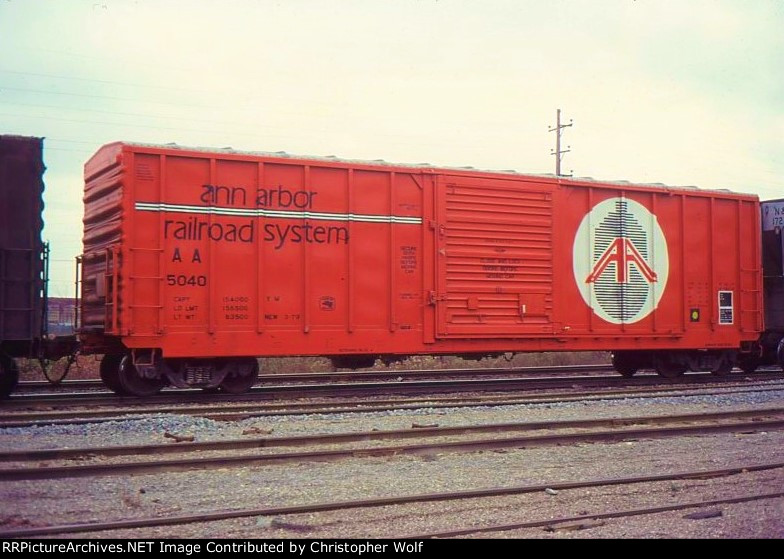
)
(196, 262)
(22, 254)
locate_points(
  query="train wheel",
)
(9, 376)
(624, 364)
(667, 368)
(723, 368)
(110, 372)
(133, 383)
(748, 364)
(780, 353)
(242, 377)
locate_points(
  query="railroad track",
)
(294, 378)
(470, 494)
(580, 521)
(390, 384)
(174, 396)
(240, 411)
(64, 392)
(437, 439)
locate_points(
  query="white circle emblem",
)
(620, 260)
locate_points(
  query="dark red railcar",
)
(21, 253)
(772, 340)
(195, 262)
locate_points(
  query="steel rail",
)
(174, 396)
(531, 399)
(472, 445)
(239, 412)
(301, 377)
(378, 502)
(362, 436)
(554, 522)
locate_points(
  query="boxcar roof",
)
(421, 166)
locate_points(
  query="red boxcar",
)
(195, 262)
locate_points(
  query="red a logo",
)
(623, 252)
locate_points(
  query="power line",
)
(181, 68)
(96, 81)
(62, 108)
(71, 150)
(49, 92)
(50, 139)
(85, 121)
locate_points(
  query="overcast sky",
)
(685, 92)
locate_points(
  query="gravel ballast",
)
(86, 500)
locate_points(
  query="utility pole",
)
(558, 152)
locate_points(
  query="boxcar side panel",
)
(230, 254)
(21, 248)
(236, 255)
(494, 258)
(773, 263)
(657, 266)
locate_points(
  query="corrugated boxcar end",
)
(196, 262)
(21, 252)
(102, 238)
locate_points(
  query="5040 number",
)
(183, 280)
